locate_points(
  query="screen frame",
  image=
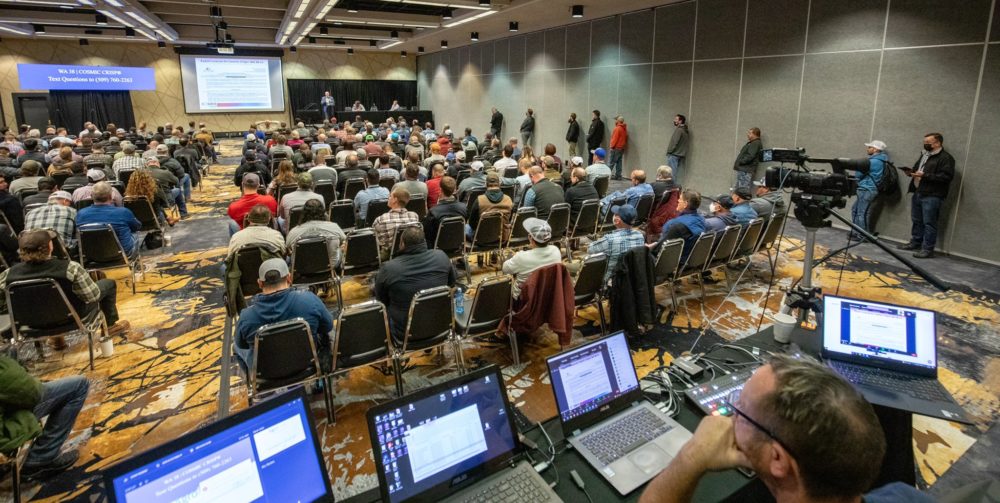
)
(151, 455)
(284, 85)
(444, 488)
(615, 406)
(877, 361)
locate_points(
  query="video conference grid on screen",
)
(869, 329)
(269, 458)
(232, 84)
(587, 378)
(436, 439)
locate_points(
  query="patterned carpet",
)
(163, 378)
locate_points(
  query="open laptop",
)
(267, 453)
(603, 413)
(454, 441)
(889, 353)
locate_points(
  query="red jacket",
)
(547, 297)
(619, 137)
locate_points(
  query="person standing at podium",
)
(327, 103)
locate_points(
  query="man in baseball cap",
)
(618, 242)
(597, 167)
(741, 210)
(539, 254)
(868, 186)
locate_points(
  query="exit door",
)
(32, 108)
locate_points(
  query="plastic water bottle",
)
(459, 301)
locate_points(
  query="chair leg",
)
(456, 344)
(513, 346)
(16, 479)
(600, 311)
(398, 372)
(673, 295)
(468, 267)
(333, 407)
(328, 397)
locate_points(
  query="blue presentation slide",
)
(85, 78)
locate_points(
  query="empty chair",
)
(342, 214)
(313, 265)
(601, 184)
(361, 253)
(668, 259)
(559, 221)
(60, 316)
(769, 238)
(284, 354)
(418, 205)
(451, 240)
(487, 235)
(585, 223)
(143, 211)
(376, 208)
(589, 286)
(699, 255)
(352, 186)
(485, 314)
(327, 190)
(430, 323)
(101, 250)
(362, 338)
(518, 236)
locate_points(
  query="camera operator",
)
(929, 181)
(868, 186)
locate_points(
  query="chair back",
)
(96, 165)
(749, 238)
(451, 236)
(427, 324)
(342, 213)
(725, 244)
(83, 203)
(490, 305)
(294, 217)
(362, 335)
(590, 279)
(328, 191)
(248, 261)
(462, 175)
(123, 176)
(770, 235)
(699, 255)
(488, 231)
(388, 182)
(60, 178)
(511, 172)
(418, 205)
(376, 208)
(143, 211)
(668, 259)
(397, 235)
(471, 195)
(608, 221)
(26, 192)
(284, 350)
(70, 187)
(283, 190)
(601, 184)
(352, 186)
(23, 299)
(643, 208)
(100, 248)
(518, 236)
(586, 219)
(509, 190)
(311, 261)
(28, 208)
(361, 253)
(559, 220)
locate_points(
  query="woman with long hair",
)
(285, 176)
(527, 153)
(142, 184)
(320, 157)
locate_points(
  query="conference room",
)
(545, 250)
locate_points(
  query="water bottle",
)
(459, 301)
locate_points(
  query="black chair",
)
(601, 184)
(59, 317)
(284, 354)
(388, 182)
(248, 260)
(342, 214)
(142, 208)
(361, 253)
(282, 190)
(509, 190)
(700, 253)
(462, 175)
(418, 205)
(747, 243)
(376, 208)
(362, 338)
(559, 222)
(398, 234)
(70, 187)
(451, 240)
(352, 186)
(15, 461)
(470, 197)
(491, 304)
(665, 267)
(294, 217)
(769, 238)
(312, 264)
(511, 172)
(589, 286)
(487, 236)
(643, 208)
(28, 208)
(124, 175)
(585, 224)
(24, 193)
(518, 237)
(328, 190)
(428, 326)
(100, 250)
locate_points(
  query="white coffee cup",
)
(784, 324)
(107, 348)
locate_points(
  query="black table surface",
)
(376, 117)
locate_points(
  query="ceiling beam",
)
(383, 19)
(174, 19)
(229, 7)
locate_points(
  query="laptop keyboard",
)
(923, 388)
(629, 432)
(518, 485)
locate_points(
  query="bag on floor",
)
(153, 240)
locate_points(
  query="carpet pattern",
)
(163, 378)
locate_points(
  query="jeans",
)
(525, 138)
(743, 180)
(862, 208)
(233, 227)
(924, 212)
(615, 162)
(186, 186)
(327, 111)
(62, 400)
(675, 163)
(178, 198)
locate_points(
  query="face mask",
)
(928, 147)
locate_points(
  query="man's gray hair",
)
(664, 173)
(101, 192)
(128, 149)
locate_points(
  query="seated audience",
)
(98, 156)
(579, 191)
(8, 244)
(250, 198)
(741, 210)
(75, 180)
(721, 216)
(766, 202)
(597, 167)
(352, 169)
(507, 161)
(493, 200)
(129, 160)
(632, 194)
(543, 194)
(168, 184)
(434, 184)
(296, 199)
(251, 164)
(315, 224)
(321, 173)
(447, 206)
(58, 215)
(32, 152)
(411, 182)
(142, 184)
(539, 254)
(284, 178)
(28, 180)
(476, 180)
(619, 241)
(373, 192)
(281, 147)
(87, 191)
(687, 225)
(664, 181)
(385, 225)
(103, 211)
(258, 232)
(412, 269)
(45, 187)
(11, 206)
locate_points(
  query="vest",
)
(504, 206)
(53, 268)
(546, 195)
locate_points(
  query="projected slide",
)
(85, 78)
(232, 84)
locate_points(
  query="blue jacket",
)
(876, 165)
(743, 213)
(694, 222)
(122, 219)
(281, 306)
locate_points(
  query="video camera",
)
(836, 185)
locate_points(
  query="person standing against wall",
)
(677, 149)
(528, 127)
(868, 185)
(619, 140)
(496, 122)
(746, 162)
(328, 105)
(595, 135)
(930, 178)
(573, 135)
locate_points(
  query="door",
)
(32, 108)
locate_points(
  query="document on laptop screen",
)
(880, 331)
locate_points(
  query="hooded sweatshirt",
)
(619, 137)
(281, 306)
(679, 141)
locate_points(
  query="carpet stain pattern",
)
(163, 379)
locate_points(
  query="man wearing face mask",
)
(678, 146)
(930, 177)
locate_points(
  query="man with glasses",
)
(808, 434)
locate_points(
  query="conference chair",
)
(282, 190)
(101, 250)
(361, 253)
(725, 246)
(60, 316)
(14, 462)
(643, 208)
(342, 214)
(462, 175)
(487, 236)
(769, 238)
(697, 258)
(517, 238)
(559, 222)
(589, 286)
(418, 205)
(387, 182)
(362, 338)
(24, 193)
(747, 243)
(294, 217)
(143, 211)
(284, 355)
(312, 264)
(124, 175)
(601, 184)
(352, 186)
(376, 208)
(398, 234)
(451, 240)
(60, 179)
(668, 260)
(28, 208)
(427, 327)
(328, 190)
(490, 305)
(607, 223)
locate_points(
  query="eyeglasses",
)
(730, 403)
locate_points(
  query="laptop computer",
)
(604, 416)
(454, 441)
(889, 353)
(268, 452)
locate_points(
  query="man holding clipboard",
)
(930, 178)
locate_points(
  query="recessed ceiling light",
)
(420, 50)
(101, 19)
(577, 11)
(512, 26)
(39, 29)
(394, 35)
(161, 44)
(447, 14)
(444, 44)
(84, 41)
(129, 33)
(350, 50)
(475, 36)
(293, 49)
(323, 30)
(402, 53)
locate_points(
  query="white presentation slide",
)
(237, 484)
(879, 329)
(445, 442)
(227, 475)
(232, 84)
(584, 379)
(279, 437)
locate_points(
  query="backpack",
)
(889, 183)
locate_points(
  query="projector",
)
(225, 50)
(221, 47)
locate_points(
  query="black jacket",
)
(252, 167)
(746, 161)
(399, 279)
(496, 121)
(445, 208)
(595, 135)
(632, 301)
(577, 194)
(13, 210)
(31, 156)
(546, 195)
(573, 133)
(938, 173)
(528, 124)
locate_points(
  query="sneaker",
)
(120, 327)
(924, 254)
(62, 462)
(909, 246)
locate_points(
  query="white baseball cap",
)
(876, 144)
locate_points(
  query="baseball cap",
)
(599, 152)
(760, 183)
(576, 161)
(876, 144)
(492, 179)
(272, 270)
(744, 193)
(476, 165)
(625, 212)
(34, 240)
(540, 230)
(60, 194)
(95, 175)
(724, 200)
(460, 155)
(251, 180)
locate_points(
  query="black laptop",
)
(889, 353)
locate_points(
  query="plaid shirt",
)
(385, 225)
(614, 244)
(128, 162)
(84, 287)
(57, 217)
(106, 159)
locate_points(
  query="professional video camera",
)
(836, 185)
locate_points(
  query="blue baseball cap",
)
(599, 152)
(626, 213)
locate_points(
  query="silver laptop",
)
(603, 413)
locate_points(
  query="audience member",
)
(373, 192)
(767, 202)
(632, 194)
(447, 206)
(315, 224)
(167, 183)
(77, 179)
(687, 225)
(11, 206)
(491, 201)
(284, 178)
(251, 164)
(597, 167)
(619, 241)
(87, 191)
(664, 181)
(721, 216)
(58, 215)
(539, 254)
(434, 184)
(411, 182)
(250, 198)
(128, 161)
(103, 211)
(352, 169)
(29, 178)
(258, 232)
(45, 187)
(297, 198)
(543, 194)
(741, 210)
(579, 191)
(385, 225)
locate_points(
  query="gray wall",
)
(827, 75)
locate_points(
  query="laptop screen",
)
(266, 453)
(589, 377)
(428, 443)
(876, 332)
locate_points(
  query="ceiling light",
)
(92, 32)
(116, 3)
(17, 29)
(312, 40)
(161, 44)
(302, 8)
(466, 18)
(223, 25)
(84, 41)
(577, 11)
(484, 3)
(129, 33)
(394, 35)
(86, 2)
(512, 26)
(137, 17)
(352, 11)
(420, 50)
(392, 44)
(339, 41)
(292, 48)
(39, 29)
(101, 19)
(323, 30)
(475, 36)
(444, 44)
(402, 54)
(350, 51)
(447, 14)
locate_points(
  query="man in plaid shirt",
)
(58, 215)
(128, 160)
(385, 225)
(616, 243)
